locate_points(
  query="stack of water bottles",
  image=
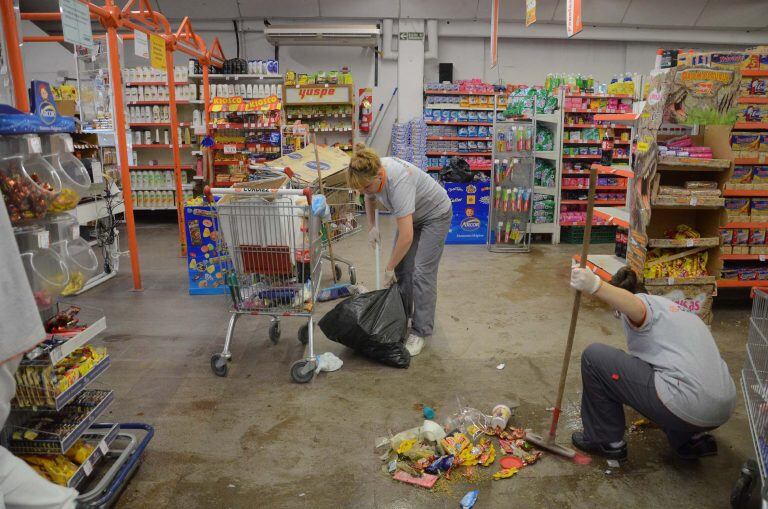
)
(418, 135)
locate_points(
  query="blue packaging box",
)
(470, 203)
(204, 263)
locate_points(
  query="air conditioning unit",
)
(323, 35)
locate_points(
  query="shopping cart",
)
(754, 383)
(346, 212)
(270, 246)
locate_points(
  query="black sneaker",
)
(605, 450)
(705, 445)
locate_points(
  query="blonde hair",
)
(363, 167)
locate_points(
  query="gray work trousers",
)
(417, 273)
(612, 378)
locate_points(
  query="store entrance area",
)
(256, 438)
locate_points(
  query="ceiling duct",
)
(323, 35)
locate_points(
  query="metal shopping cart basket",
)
(346, 220)
(270, 247)
(754, 383)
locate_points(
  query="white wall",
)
(43, 60)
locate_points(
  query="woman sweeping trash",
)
(673, 373)
(423, 212)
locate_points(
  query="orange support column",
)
(175, 142)
(120, 133)
(206, 97)
(15, 62)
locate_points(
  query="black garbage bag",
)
(457, 170)
(374, 324)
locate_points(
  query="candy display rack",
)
(327, 109)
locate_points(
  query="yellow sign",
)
(156, 51)
(530, 12)
(239, 104)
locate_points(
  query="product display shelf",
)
(101, 443)
(237, 77)
(55, 443)
(330, 111)
(60, 401)
(585, 117)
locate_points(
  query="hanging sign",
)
(314, 94)
(573, 17)
(76, 22)
(494, 32)
(140, 44)
(156, 51)
(241, 105)
(530, 12)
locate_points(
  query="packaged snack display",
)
(544, 139)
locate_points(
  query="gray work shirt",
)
(692, 380)
(409, 190)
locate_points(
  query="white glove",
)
(584, 280)
(389, 278)
(374, 237)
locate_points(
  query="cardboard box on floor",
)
(333, 165)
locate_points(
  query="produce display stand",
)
(584, 119)
(144, 19)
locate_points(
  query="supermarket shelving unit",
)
(553, 122)
(576, 120)
(333, 117)
(757, 255)
(467, 103)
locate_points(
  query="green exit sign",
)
(411, 36)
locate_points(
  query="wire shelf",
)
(44, 395)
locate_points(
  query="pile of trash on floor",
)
(469, 445)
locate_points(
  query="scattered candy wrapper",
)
(613, 463)
(504, 473)
(468, 500)
(425, 481)
(428, 412)
(501, 366)
(328, 362)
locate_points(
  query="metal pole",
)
(125, 174)
(15, 61)
(377, 250)
(175, 142)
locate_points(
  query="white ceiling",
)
(723, 14)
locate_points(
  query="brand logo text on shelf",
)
(319, 91)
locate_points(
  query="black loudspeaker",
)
(446, 73)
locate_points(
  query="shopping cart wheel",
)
(352, 276)
(219, 364)
(742, 490)
(303, 371)
(337, 269)
(304, 334)
(274, 332)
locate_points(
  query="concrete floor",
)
(255, 439)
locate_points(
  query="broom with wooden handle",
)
(549, 442)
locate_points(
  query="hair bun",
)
(627, 279)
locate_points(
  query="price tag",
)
(694, 200)
(689, 243)
(103, 447)
(33, 144)
(230, 149)
(43, 240)
(87, 468)
(761, 258)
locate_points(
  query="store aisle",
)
(255, 439)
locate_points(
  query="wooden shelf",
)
(434, 122)
(684, 243)
(695, 164)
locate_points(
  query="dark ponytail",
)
(627, 279)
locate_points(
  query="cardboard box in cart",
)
(470, 203)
